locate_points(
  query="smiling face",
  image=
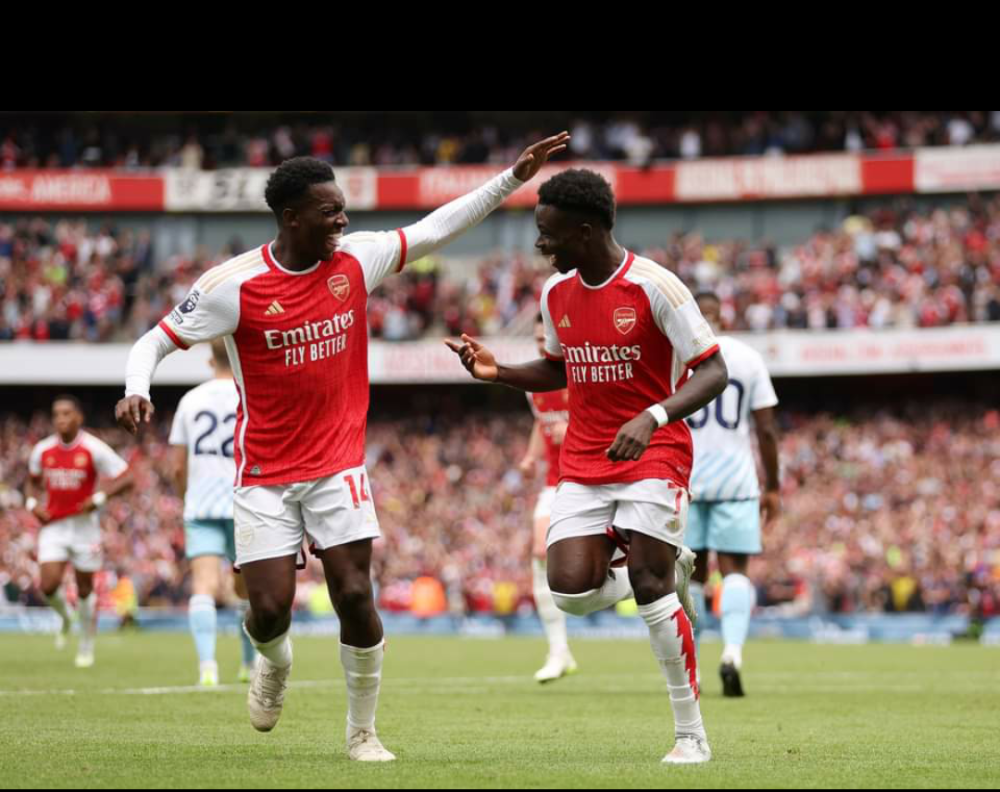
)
(563, 237)
(318, 220)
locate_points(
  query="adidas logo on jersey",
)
(275, 309)
(565, 322)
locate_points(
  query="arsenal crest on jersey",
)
(625, 319)
(80, 460)
(340, 287)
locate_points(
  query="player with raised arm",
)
(68, 466)
(621, 333)
(293, 316)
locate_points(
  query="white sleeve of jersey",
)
(454, 218)
(678, 317)
(145, 356)
(763, 395)
(384, 253)
(107, 462)
(553, 348)
(211, 310)
(35, 460)
(179, 428)
(380, 253)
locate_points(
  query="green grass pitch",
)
(466, 713)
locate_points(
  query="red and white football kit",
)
(70, 473)
(549, 409)
(627, 344)
(298, 344)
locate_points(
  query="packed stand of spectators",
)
(894, 513)
(60, 281)
(209, 141)
(894, 267)
(881, 513)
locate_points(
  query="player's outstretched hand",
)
(132, 411)
(476, 358)
(536, 155)
(633, 439)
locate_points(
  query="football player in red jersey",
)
(293, 316)
(626, 337)
(67, 466)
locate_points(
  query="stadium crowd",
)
(209, 141)
(892, 267)
(881, 513)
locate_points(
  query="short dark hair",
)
(292, 178)
(582, 191)
(66, 397)
(707, 295)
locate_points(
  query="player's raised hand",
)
(132, 411)
(476, 358)
(536, 155)
(633, 439)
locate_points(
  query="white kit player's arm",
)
(179, 449)
(763, 400)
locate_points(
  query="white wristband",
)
(31, 504)
(659, 414)
(99, 498)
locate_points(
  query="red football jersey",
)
(550, 409)
(70, 472)
(627, 344)
(298, 342)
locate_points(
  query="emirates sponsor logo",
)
(340, 287)
(65, 478)
(601, 354)
(309, 332)
(625, 320)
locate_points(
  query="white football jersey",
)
(204, 423)
(724, 465)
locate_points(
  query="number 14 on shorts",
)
(357, 486)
